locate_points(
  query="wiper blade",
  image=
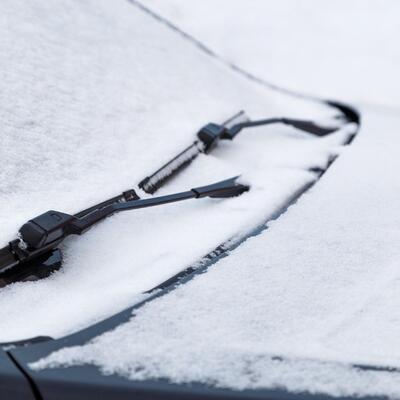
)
(152, 183)
(35, 255)
(209, 136)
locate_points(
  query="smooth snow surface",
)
(344, 49)
(319, 289)
(94, 96)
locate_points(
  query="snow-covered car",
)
(247, 267)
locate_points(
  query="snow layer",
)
(94, 96)
(340, 49)
(319, 289)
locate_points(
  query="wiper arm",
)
(301, 124)
(209, 136)
(35, 255)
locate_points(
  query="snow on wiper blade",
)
(34, 255)
(209, 136)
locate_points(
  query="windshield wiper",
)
(34, 254)
(209, 136)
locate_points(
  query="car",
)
(266, 288)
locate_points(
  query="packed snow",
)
(93, 99)
(292, 308)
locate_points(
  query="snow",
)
(333, 48)
(292, 308)
(95, 98)
(297, 306)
